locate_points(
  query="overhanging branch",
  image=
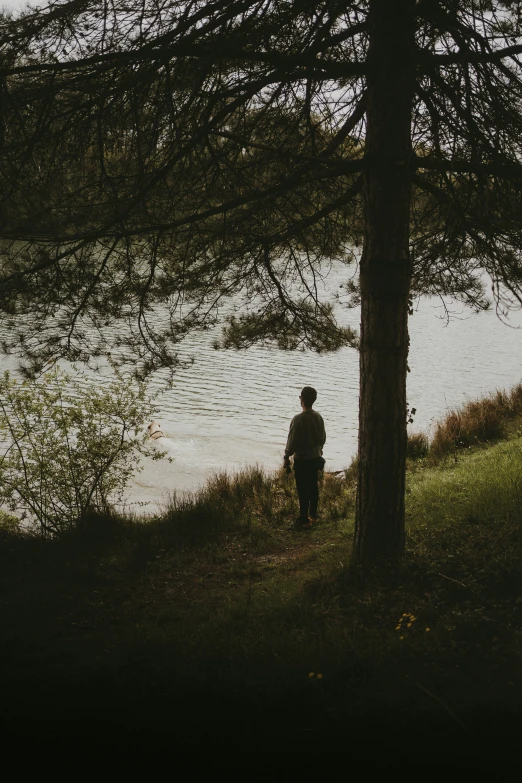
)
(511, 170)
(435, 61)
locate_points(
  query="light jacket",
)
(307, 435)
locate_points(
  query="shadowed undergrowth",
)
(216, 599)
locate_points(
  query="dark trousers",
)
(306, 481)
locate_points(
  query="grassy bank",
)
(217, 620)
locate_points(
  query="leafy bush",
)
(69, 447)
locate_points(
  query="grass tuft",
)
(479, 421)
(417, 446)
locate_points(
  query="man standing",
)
(306, 439)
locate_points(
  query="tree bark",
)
(384, 280)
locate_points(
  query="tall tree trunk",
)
(385, 280)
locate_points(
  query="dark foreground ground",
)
(201, 722)
(215, 630)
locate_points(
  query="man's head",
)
(308, 396)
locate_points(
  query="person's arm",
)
(323, 435)
(290, 443)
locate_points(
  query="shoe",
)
(313, 520)
(299, 524)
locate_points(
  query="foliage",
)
(8, 521)
(69, 447)
(172, 156)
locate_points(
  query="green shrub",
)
(8, 522)
(70, 448)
